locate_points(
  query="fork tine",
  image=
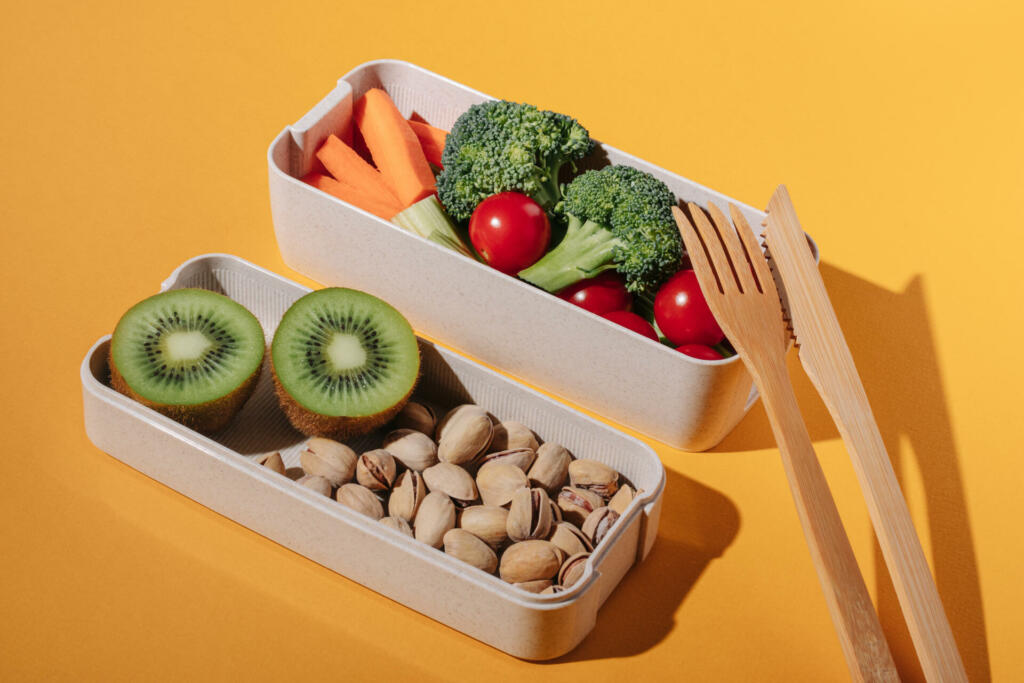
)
(715, 251)
(705, 272)
(734, 250)
(754, 252)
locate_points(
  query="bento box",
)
(221, 473)
(684, 402)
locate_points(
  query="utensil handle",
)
(860, 633)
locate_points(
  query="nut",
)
(520, 457)
(420, 417)
(594, 476)
(464, 433)
(576, 504)
(550, 468)
(407, 495)
(497, 481)
(486, 522)
(599, 523)
(468, 548)
(398, 524)
(272, 461)
(538, 586)
(511, 435)
(529, 516)
(570, 539)
(530, 561)
(435, 518)
(316, 482)
(360, 499)
(622, 498)
(329, 459)
(572, 569)
(415, 450)
(452, 481)
(376, 470)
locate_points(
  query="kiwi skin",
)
(205, 418)
(339, 427)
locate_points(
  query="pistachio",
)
(511, 435)
(398, 524)
(486, 522)
(376, 470)
(570, 539)
(520, 457)
(272, 461)
(552, 589)
(594, 476)
(599, 523)
(317, 483)
(572, 569)
(497, 481)
(464, 434)
(468, 548)
(334, 461)
(435, 517)
(415, 450)
(360, 499)
(550, 468)
(529, 516)
(576, 504)
(418, 416)
(407, 495)
(452, 481)
(539, 586)
(622, 498)
(530, 561)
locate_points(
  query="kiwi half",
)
(344, 363)
(191, 354)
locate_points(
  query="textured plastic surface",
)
(552, 344)
(219, 473)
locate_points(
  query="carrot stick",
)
(431, 139)
(395, 148)
(342, 162)
(385, 208)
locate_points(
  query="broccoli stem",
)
(427, 219)
(586, 250)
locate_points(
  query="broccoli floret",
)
(618, 217)
(504, 146)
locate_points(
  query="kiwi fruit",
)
(344, 363)
(190, 354)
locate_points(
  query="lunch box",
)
(648, 387)
(221, 472)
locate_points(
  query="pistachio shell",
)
(570, 539)
(413, 449)
(539, 586)
(598, 523)
(398, 524)
(407, 495)
(576, 504)
(329, 459)
(572, 569)
(435, 517)
(464, 435)
(520, 457)
(317, 483)
(622, 498)
(272, 461)
(510, 435)
(530, 561)
(551, 467)
(594, 476)
(418, 416)
(468, 548)
(360, 499)
(452, 481)
(529, 515)
(497, 482)
(376, 470)
(486, 522)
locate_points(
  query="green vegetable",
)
(504, 146)
(618, 217)
(427, 218)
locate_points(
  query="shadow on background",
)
(705, 522)
(891, 339)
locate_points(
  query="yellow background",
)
(133, 138)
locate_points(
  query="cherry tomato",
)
(510, 231)
(699, 351)
(682, 313)
(633, 322)
(601, 294)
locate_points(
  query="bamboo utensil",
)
(738, 286)
(827, 361)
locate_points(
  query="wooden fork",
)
(736, 281)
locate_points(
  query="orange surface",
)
(135, 138)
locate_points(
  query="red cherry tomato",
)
(682, 313)
(601, 294)
(510, 231)
(633, 322)
(699, 351)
